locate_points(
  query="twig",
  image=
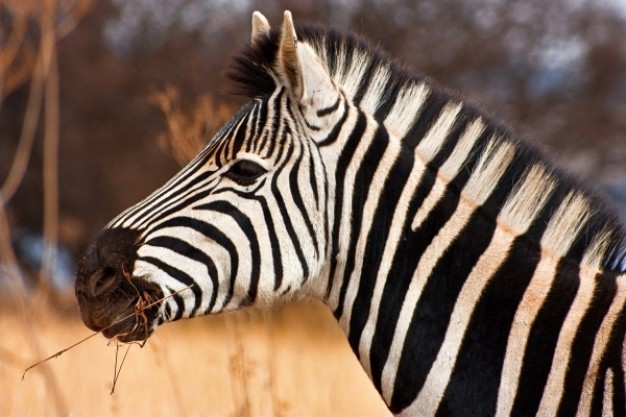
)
(59, 353)
(116, 372)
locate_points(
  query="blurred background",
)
(103, 101)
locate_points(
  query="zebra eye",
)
(244, 172)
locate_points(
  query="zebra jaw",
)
(109, 298)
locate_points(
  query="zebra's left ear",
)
(260, 27)
(304, 74)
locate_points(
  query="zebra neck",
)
(432, 242)
(416, 289)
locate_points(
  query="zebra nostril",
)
(104, 264)
(102, 281)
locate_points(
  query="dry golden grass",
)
(292, 361)
(188, 130)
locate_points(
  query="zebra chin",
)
(110, 299)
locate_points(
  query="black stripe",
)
(167, 311)
(542, 339)
(387, 99)
(245, 224)
(432, 314)
(312, 127)
(185, 249)
(275, 122)
(376, 240)
(619, 390)
(325, 187)
(429, 114)
(330, 109)
(155, 211)
(476, 375)
(598, 395)
(313, 153)
(250, 122)
(180, 276)
(433, 310)
(271, 232)
(612, 359)
(264, 129)
(409, 253)
(484, 346)
(334, 133)
(347, 153)
(220, 152)
(180, 306)
(364, 83)
(297, 199)
(361, 187)
(212, 233)
(280, 202)
(240, 136)
(411, 250)
(181, 204)
(582, 345)
(281, 142)
(274, 244)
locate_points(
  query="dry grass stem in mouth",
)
(140, 307)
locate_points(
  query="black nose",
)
(109, 259)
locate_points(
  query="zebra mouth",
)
(135, 322)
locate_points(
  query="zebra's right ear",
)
(301, 70)
(260, 27)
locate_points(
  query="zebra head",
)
(246, 222)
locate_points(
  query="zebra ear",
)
(260, 27)
(303, 73)
(289, 65)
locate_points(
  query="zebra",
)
(470, 276)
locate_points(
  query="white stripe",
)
(373, 200)
(607, 399)
(407, 106)
(553, 390)
(350, 80)
(534, 297)
(376, 89)
(346, 210)
(489, 170)
(599, 348)
(566, 224)
(448, 171)
(437, 134)
(391, 246)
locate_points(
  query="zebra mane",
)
(376, 83)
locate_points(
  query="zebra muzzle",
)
(110, 298)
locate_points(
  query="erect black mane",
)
(252, 73)
(251, 70)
